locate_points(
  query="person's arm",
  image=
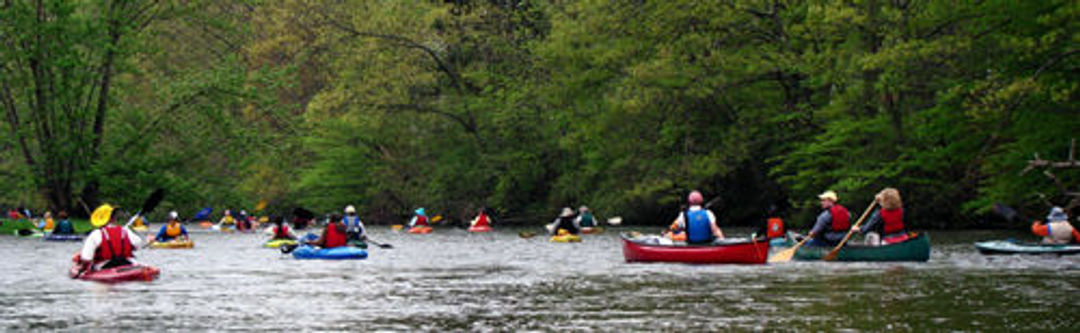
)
(160, 234)
(875, 218)
(183, 231)
(714, 225)
(90, 246)
(133, 237)
(823, 219)
(412, 222)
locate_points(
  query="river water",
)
(453, 280)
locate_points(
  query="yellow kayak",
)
(565, 237)
(276, 243)
(173, 244)
(140, 228)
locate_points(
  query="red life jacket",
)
(281, 231)
(774, 228)
(114, 244)
(841, 218)
(482, 221)
(334, 238)
(894, 220)
(421, 220)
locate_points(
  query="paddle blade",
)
(152, 202)
(832, 255)
(615, 220)
(385, 246)
(783, 256)
(260, 206)
(203, 214)
(437, 218)
(303, 213)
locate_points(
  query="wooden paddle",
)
(786, 255)
(832, 254)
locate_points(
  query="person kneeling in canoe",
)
(886, 225)
(833, 222)
(481, 221)
(354, 228)
(333, 236)
(698, 222)
(565, 221)
(1057, 229)
(171, 230)
(109, 245)
(64, 227)
(585, 218)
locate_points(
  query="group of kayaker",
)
(573, 222)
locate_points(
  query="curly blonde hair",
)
(889, 198)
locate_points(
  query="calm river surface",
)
(453, 280)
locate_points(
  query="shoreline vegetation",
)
(525, 107)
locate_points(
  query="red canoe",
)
(734, 252)
(125, 273)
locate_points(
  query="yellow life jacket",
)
(138, 222)
(172, 230)
(49, 225)
(229, 220)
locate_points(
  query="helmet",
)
(420, 211)
(101, 216)
(350, 209)
(173, 215)
(695, 198)
(566, 212)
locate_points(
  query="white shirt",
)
(94, 240)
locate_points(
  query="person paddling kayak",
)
(109, 245)
(171, 230)
(419, 219)
(833, 222)
(1056, 229)
(481, 221)
(64, 227)
(565, 221)
(886, 224)
(227, 220)
(585, 218)
(699, 223)
(280, 230)
(333, 236)
(353, 226)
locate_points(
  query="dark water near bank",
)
(452, 280)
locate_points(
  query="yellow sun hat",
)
(101, 216)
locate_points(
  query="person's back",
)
(698, 226)
(64, 227)
(334, 235)
(1057, 229)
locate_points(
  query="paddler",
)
(585, 218)
(1056, 229)
(48, 223)
(227, 220)
(333, 236)
(886, 224)
(832, 224)
(353, 226)
(481, 220)
(419, 218)
(565, 221)
(64, 227)
(699, 223)
(280, 230)
(109, 245)
(171, 230)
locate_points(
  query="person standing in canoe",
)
(565, 221)
(1056, 229)
(886, 225)
(585, 218)
(109, 245)
(64, 227)
(833, 222)
(171, 230)
(699, 223)
(419, 219)
(353, 226)
(333, 236)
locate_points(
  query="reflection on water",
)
(452, 280)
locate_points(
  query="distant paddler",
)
(481, 223)
(832, 224)
(1056, 229)
(566, 221)
(886, 224)
(698, 222)
(171, 231)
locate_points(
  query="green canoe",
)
(914, 249)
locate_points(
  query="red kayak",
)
(119, 274)
(480, 228)
(724, 252)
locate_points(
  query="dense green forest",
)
(528, 106)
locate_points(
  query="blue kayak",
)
(63, 238)
(337, 253)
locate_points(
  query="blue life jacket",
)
(698, 229)
(352, 224)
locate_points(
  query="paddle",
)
(832, 254)
(787, 254)
(380, 245)
(148, 205)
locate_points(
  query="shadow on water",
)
(452, 280)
